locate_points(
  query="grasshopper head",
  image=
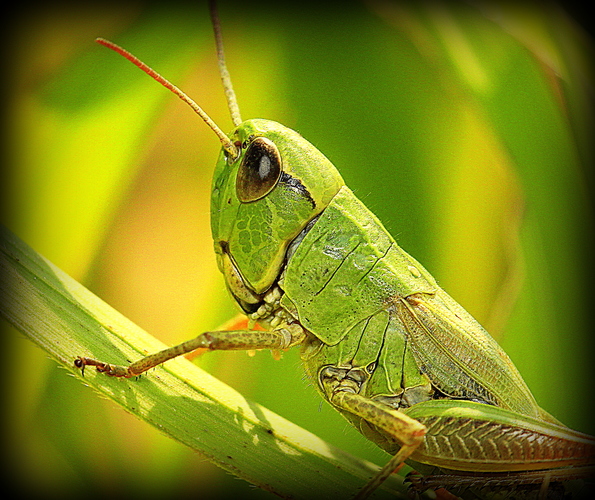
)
(262, 199)
(268, 184)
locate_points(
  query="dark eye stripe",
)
(297, 186)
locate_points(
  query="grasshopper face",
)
(262, 200)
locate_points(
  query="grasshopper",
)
(399, 358)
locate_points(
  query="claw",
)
(101, 367)
(79, 362)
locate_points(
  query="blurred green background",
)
(467, 130)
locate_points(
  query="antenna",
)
(225, 141)
(230, 95)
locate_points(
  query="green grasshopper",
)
(398, 357)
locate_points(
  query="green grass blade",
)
(67, 320)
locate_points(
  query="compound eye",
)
(260, 170)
